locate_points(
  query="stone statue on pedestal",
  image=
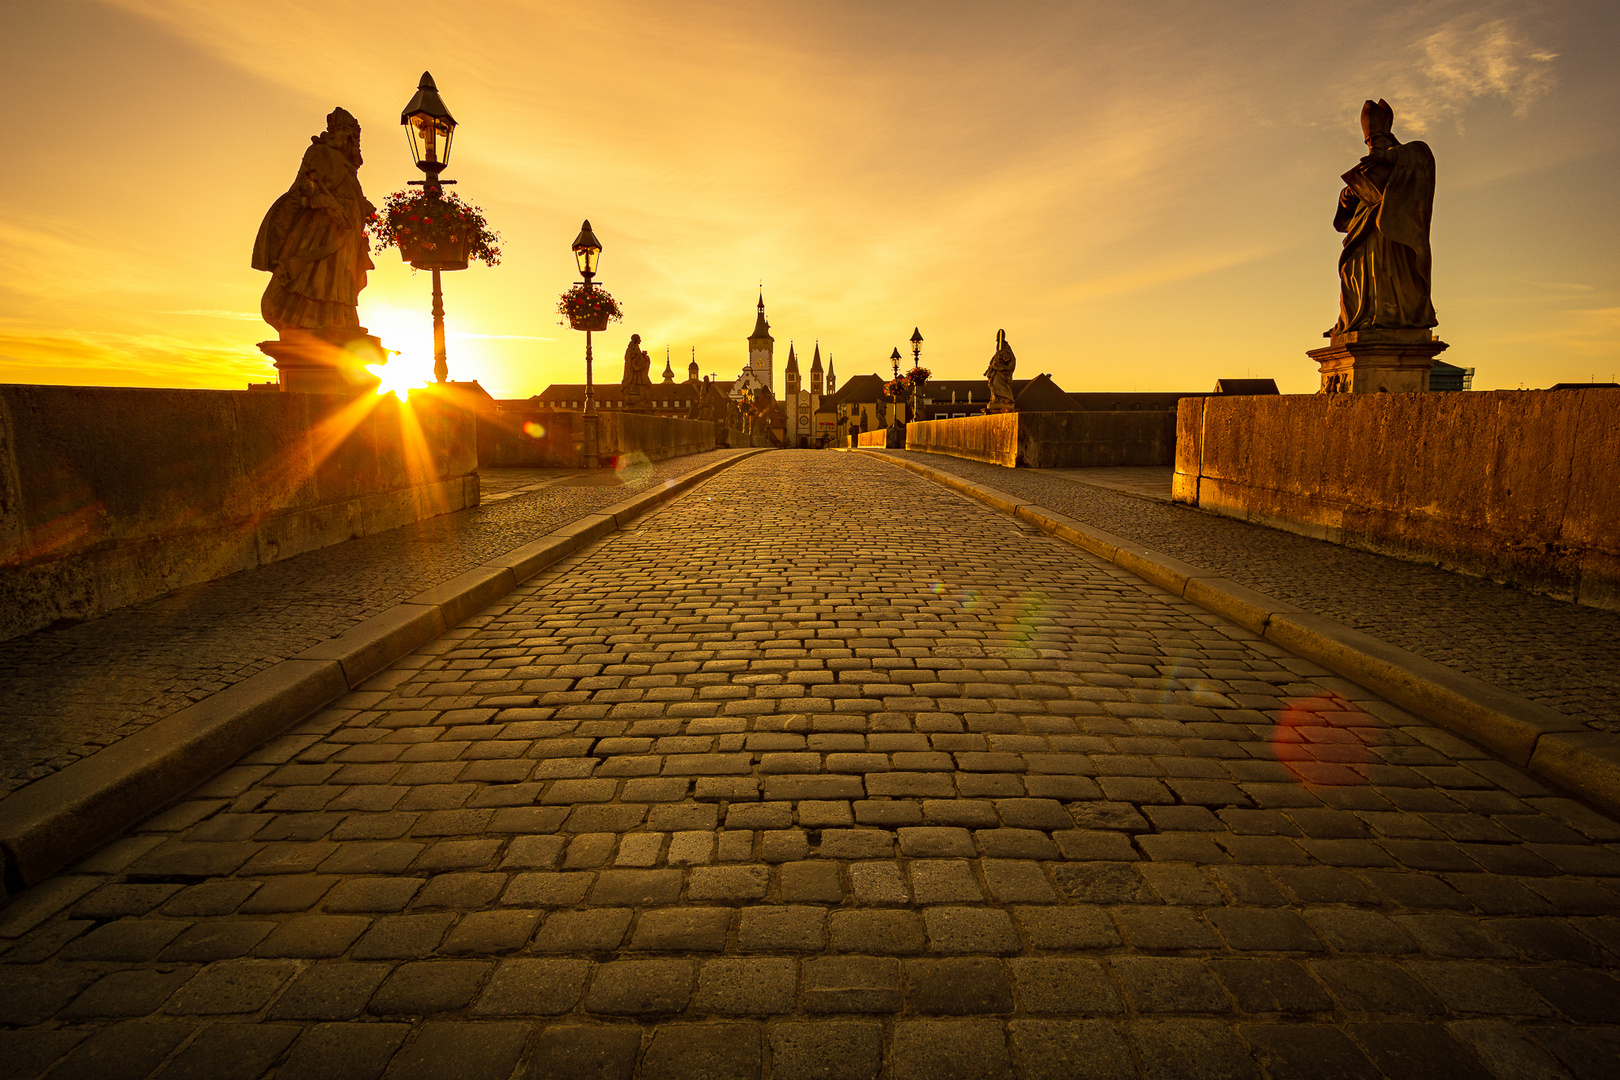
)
(999, 374)
(1383, 340)
(313, 244)
(637, 378)
(1384, 213)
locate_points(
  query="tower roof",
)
(793, 361)
(815, 362)
(762, 329)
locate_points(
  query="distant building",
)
(859, 405)
(1577, 385)
(810, 416)
(762, 349)
(1246, 387)
(946, 398)
(1446, 377)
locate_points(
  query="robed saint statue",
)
(1000, 372)
(1384, 212)
(637, 379)
(313, 240)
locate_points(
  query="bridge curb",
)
(62, 817)
(1545, 742)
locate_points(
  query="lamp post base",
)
(591, 431)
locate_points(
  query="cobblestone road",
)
(66, 693)
(824, 771)
(1565, 656)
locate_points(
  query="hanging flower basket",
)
(589, 309)
(434, 232)
(448, 254)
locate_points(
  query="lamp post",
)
(894, 437)
(894, 362)
(429, 128)
(587, 253)
(916, 362)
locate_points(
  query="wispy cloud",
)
(215, 313)
(126, 360)
(1558, 286)
(1473, 58)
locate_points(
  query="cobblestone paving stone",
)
(69, 692)
(825, 771)
(1565, 656)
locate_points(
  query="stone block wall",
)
(545, 438)
(1519, 486)
(110, 496)
(1051, 440)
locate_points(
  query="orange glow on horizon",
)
(1143, 202)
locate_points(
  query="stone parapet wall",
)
(545, 438)
(1518, 486)
(1051, 440)
(110, 496)
(876, 437)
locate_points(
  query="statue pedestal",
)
(311, 364)
(1377, 361)
(994, 407)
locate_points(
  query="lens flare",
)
(1027, 613)
(1322, 739)
(534, 430)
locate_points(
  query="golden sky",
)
(1140, 193)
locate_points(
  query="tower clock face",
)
(804, 399)
(804, 421)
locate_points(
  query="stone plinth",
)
(997, 407)
(312, 364)
(1377, 361)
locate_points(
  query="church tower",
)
(832, 380)
(761, 348)
(791, 374)
(669, 372)
(815, 372)
(692, 368)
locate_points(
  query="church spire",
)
(762, 328)
(669, 372)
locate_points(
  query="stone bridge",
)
(820, 767)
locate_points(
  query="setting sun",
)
(402, 374)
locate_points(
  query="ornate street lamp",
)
(916, 362)
(894, 362)
(587, 253)
(429, 129)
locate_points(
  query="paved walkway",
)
(824, 771)
(1565, 656)
(1154, 481)
(68, 692)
